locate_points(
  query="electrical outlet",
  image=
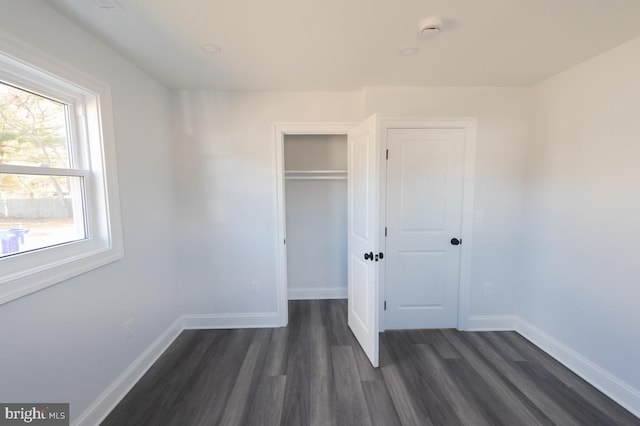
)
(128, 328)
(487, 289)
(254, 287)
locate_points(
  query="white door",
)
(424, 215)
(363, 213)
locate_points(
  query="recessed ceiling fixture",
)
(106, 4)
(210, 48)
(408, 51)
(430, 27)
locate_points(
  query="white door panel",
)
(361, 279)
(417, 292)
(359, 184)
(363, 172)
(424, 212)
(423, 179)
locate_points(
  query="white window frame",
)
(93, 146)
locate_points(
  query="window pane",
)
(33, 129)
(40, 211)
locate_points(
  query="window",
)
(58, 196)
(42, 191)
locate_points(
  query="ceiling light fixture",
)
(430, 27)
(408, 51)
(106, 4)
(210, 48)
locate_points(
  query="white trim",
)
(313, 293)
(40, 278)
(106, 402)
(279, 132)
(604, 381)
(491, 323)
(231, 321)
(42, 171)
(469, 125)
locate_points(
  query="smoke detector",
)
(430, 27)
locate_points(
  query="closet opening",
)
(312, 208)
(315, 193)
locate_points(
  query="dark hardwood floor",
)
(314, 373)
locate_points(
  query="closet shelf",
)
(315, 174)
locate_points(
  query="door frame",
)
(280, 130)
(469, 125)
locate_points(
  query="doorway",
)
(367, 220)
(302, 174)
(315, 187)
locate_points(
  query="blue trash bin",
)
(12, 239)
(20, 233)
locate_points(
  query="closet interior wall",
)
(316, 215)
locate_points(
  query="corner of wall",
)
(107, 401)
(612, 386)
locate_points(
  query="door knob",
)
(455, 241)
(368, 256)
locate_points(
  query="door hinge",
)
(385, 305)
(387, 154)
(285, 241)
(385, 231)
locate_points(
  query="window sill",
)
(29, 281)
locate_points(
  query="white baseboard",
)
(107, 401)
(228, 321)
(491, 323)
(313, 293)
(607, 383)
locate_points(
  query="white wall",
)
(503, 115)
(226, 185)
(227, 196)
(582, 275)
(225, 172)
(67, 343)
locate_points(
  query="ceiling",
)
(350, 44)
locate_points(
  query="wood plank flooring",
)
(314, 373)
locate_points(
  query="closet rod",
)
(315, 178)
(315, 172)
